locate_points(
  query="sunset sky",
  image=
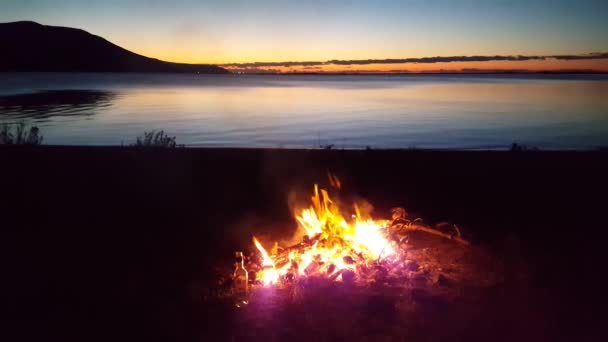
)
(235, 31)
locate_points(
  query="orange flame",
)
(339, 244)
(266, 260)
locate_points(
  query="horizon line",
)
(253, 66)
(424, 60)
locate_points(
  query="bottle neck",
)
(240, 260)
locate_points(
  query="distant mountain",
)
(29, 46)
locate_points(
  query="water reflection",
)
(47, 104)
(481, 112)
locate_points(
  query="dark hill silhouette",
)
(29, 46)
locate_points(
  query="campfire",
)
(346, 271)
(340, 244)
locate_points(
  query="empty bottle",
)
(241, 279)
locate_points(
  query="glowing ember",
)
(333, 244)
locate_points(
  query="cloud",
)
(272, 64)
(594, 55)
(421, 60)
(430, 60)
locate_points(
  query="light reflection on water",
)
(47, 104)
(308, 111)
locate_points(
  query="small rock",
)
(419, 281)
(412, 266)
(348, 276)
(443, 281)
(348, 260)
(379, 273)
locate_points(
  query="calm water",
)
(464, 112)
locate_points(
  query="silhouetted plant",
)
(515, 147)
(19, 134)
(324, 146)
(155, 139)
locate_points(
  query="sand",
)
(124, 243)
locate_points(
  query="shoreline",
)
(431, 183)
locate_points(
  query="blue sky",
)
(245, 31)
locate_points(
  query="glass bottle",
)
(241, 278)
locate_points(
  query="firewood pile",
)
(436, 258)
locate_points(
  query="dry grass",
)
(155, 139)
(19, 134)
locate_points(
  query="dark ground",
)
(122, 244)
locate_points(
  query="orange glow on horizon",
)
(599, 65)
(224, 56)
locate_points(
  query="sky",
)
(240, 31)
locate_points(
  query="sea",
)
(459, 111)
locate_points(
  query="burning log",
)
(404, 228)
(335, 275)
(339, 247)
(401, 224)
